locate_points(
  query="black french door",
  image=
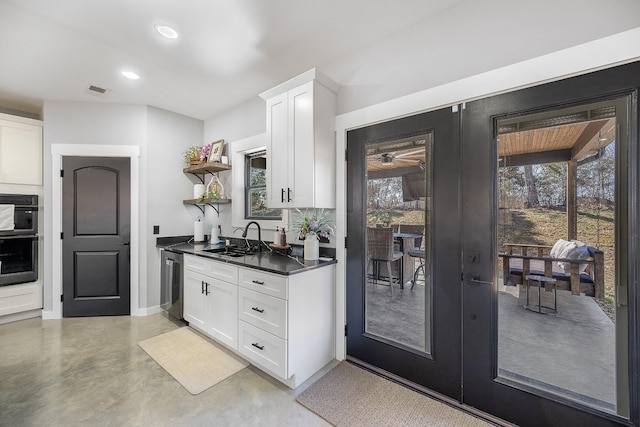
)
(381, 319)
(473, 351)
(559, 369)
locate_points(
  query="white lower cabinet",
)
(211, 304)
(19, 298)
(264, 349)
(284, 325)
(286, 322)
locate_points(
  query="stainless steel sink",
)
(229, 252)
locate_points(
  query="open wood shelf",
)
(207, 167)
(206, 201)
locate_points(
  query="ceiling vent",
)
(97, 91)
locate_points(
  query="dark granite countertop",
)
(272, 262)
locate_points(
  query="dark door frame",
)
(54, 252)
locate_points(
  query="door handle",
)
(288, 194)
(282, 195)
(476, 280)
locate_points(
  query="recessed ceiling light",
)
(130, 75)
(166, 31)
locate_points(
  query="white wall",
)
(82, 123)
(168, 134)
(245, 120)
(470, 38)
(161, 137)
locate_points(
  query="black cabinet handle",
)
(257, 282)
(206, 289)
(256, 345)
(202, 287)
(282, 195)
(288, 194)
(259, 310)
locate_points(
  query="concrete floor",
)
(571, 354)
(90, 371)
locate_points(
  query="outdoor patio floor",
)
(571, 354)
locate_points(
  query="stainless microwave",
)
(25, 214)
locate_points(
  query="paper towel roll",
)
(198, 189)
(198, 231)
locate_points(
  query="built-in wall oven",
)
(18, 238)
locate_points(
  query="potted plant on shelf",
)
(312, 224)
(192, 155)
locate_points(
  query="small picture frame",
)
(215, 154)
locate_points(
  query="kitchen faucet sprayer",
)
(244, 234)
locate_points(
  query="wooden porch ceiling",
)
(397, 158)
(555, 144)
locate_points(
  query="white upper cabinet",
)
(20, 150)
(301, 150)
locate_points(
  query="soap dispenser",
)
(276, 236)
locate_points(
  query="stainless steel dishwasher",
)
(172, 287)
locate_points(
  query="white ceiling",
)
(229, 51)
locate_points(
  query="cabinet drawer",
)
(224, 271)
(218, 270)
(263, 311)
(263, 348)
(196, 264)
(265, 283)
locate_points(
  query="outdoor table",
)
(548, 281)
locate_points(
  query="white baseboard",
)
(20, 316)
(148, 311)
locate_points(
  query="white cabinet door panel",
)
(195, 301)
(302, 146)
(20, 153)
(223, 312)
(277, 152)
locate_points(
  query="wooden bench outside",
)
(527, 253)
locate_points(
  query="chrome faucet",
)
(244, 234)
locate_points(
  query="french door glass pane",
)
(557, 241)
(397, 287)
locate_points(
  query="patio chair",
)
(417, 251)
(380, 250)
(420, 254)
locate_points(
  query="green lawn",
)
(542, 226)
(545, 226)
